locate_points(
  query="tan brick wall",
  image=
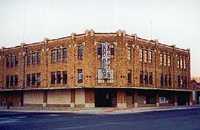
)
(90, 62)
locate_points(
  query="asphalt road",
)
(166, 120)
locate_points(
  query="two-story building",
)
(95, 70)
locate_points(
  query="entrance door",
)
(105, 98)
(183, 99)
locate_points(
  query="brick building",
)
(95, 70)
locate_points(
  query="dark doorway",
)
(182, 98)
(105, 98)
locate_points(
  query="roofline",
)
(99, 33)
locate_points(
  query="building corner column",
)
(121, 99)
(135, 99)
(175, 100)
(157, 100)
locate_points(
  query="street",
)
(165, 120)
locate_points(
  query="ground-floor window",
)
(163, 100)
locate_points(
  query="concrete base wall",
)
(79, 98)
(86, 98)
(58, 97)
(33, 97)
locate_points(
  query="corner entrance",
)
(105, 98)
(183, 98)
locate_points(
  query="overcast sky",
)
(169, 21)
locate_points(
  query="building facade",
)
(95, 70)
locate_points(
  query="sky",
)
(170, 21)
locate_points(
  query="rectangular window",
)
(129, 76)
(178, 62)
(169, 60)
(145, 56)
(146, 78)
(11, 80)
(141, 77)
(38, 58)
(99, 50)
(28, 79)
(53, 56)
(15, 80)
(161, 80)
(33, 80)
(80, 76)
(7, 61)
(150, 56)
(58, 77)
(53, 77)
(64, 77)
(80, 52)
(7, 81)
(166, 80)
(141, 54)
(28, 59)
(185, 82)
(38, 79)
(112, 50)
(58, 51)
(64, 54)
(129, 54)
(151, 78)
(11, 61)
(165, 60)
(179, 81)
(161, 59)
(181, 63)
(170, 80)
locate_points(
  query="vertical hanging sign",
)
(105, 61)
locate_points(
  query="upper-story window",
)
(169, 60)
(141, 54)
(146, 78)
(80, 76)
(161, 59)
(178, 62)
(11, 80)
(165, 59)
(112, 50)
(58, 54)
(150, 56)
(33, 58)
(129, 53)
(182, 81)
(181, 62)
(129, 75)
(184, 64)
(33, 79)
(165, 80)
(11, 61)
(99, 50)
(59, 77)
(161, 80)
(80, 52)
(146, 55)
(150, 78)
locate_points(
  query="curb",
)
(104, 110)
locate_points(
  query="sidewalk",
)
(94, 110)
